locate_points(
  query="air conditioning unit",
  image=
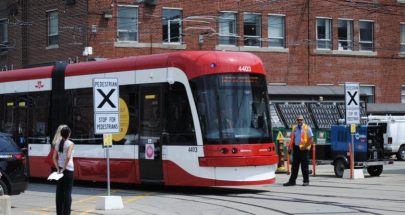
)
(70, 2)
(147, 2)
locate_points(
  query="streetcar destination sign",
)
(106, 105)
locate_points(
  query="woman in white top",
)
(56, 139)
(63, 161)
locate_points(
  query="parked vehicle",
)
(394, 134)
(14, 176)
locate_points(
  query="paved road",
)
(325, 195)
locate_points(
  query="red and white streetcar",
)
(186, 118)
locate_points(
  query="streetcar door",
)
(150, 130)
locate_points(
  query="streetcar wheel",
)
(375, 170)
(401, 153)
(339, 167)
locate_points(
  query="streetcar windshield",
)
(233, 108)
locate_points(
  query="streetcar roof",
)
(194, 63)
(26, 74)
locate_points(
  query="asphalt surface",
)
(325, 195)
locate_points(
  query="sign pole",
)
(351, 157)
(352, 107)
(108, 170)
(106, 122)
(107, 144)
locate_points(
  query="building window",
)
(403, 37)
(366, 36)
(127, 22)
(252, 29)
(3, 31)
(276, 31)
(227, 28)
(369, 92)
(345, 34)
(53, 28)
(323, 33)
(171, 25)
(403, 94)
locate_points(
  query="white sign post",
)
(106, 122)
(352, 106)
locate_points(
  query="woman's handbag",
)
(49, 158)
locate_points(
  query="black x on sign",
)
(352, 95)
(106, 98)
(352, 98)
(105, 94)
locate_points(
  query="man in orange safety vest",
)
(301, 140)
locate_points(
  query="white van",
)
(394, 133)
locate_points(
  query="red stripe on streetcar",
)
(237, 150)
(238, 161)
(176, 176)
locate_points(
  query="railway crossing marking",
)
(352, 101)
(106, 105)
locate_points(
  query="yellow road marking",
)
(126, 201)
(33, 211)
(45, 211)
(134, 198)
(87, 212)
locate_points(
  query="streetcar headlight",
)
(224, 150)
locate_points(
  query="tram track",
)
(264, 197)
(358, 208)
(377, 196)
(206, 198)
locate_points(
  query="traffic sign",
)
(352, 103)
(107, 140)
(106, 94)
(106, 123)
(106, 105)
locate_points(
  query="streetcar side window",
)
(179, 122)
(129, 94)
(81, 117)
(25, 117)
(38, 106)
(7, 122)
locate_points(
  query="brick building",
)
(301, 42)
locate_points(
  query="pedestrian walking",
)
(301, 140)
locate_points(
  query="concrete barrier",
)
(5, 205)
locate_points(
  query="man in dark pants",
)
(301, 140)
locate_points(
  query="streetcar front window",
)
(233, 108)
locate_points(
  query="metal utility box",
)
(368, 142)
(368, 148)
